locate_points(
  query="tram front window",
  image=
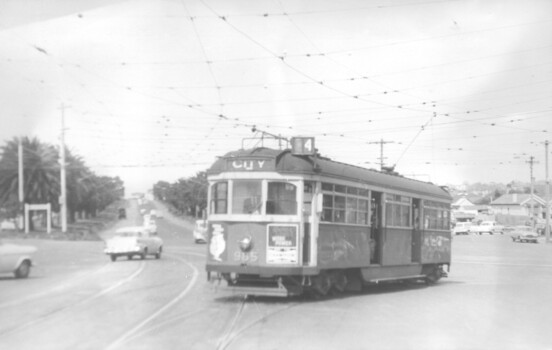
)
(282, 199)
(247, 197)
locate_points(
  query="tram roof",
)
(285, 162)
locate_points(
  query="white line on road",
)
(97, 295)
(125, 337)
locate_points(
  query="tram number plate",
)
(282, 247)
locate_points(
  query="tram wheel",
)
(321, 284)
(339, 281)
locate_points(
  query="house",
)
(465, 210)
(519, 204)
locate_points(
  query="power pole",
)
(63, 196)
(381, 142)
(531, 162)
(547, 193)
(21, 180)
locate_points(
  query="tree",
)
(86, 191)
(188, 196)
(41, 171)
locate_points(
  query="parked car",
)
(200, 231)
(134, 241)
(525, 234)
(490, 227)
(16, 259)
(541, 228)
(7, 225)
(461, 228)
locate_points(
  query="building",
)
(519, 204)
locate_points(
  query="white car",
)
(461, 228)
(200, 231)
(490, 227)
(134, 241)
(149, 223)
(16, 259)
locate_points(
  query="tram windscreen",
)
(282, 199)
(247, 197)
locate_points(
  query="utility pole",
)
(20, 181)
(381, 142)
(547, 193)
(531, 162)
(63, 196)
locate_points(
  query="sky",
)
(452, 91)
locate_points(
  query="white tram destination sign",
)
(282, 245)
(250, 164)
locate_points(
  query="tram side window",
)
(220, 198)
(282, 198)
(344, 204)
(246, 197)
(437, 216)
(398, 210)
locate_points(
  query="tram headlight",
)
(246, 244)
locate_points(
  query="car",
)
(490, 227)
(134, 241)
(200, 231)
(8, 225)
(524, 234)
(461, 228)
(149, 223)
(16, 259)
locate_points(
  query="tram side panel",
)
(436, 247)
(343, 246)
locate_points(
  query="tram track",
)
(235, 330)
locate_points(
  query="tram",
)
(288, 222)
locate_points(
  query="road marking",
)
(61, 287)
(56, 311)
(125, 337)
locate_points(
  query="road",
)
(496, 297)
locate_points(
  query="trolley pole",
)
(547, 193)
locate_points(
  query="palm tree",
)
(40, 168)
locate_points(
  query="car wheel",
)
(158, 254)
(113, 257)
(23, 270)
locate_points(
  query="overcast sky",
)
(157, 89)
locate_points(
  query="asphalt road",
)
(497, 296)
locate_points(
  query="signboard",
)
(282, 244)
(250, 164)
(303, 146)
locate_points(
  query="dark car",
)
(524, 234)
(122, 213)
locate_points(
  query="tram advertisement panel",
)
(282, 245)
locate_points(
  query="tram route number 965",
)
(246, 256)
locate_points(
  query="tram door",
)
(417, 229)
(376, 227)
(308, 197)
